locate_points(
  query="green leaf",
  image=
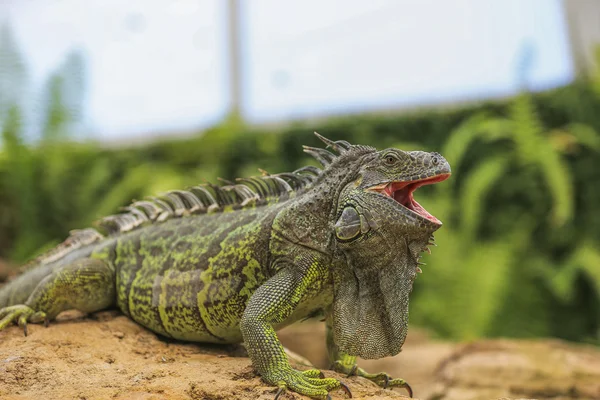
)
(473, 194)
(558, 179)
(585, 135)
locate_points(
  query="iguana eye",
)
(390, 159)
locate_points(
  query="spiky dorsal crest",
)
(205, 198)
(209, 198)
(77, 238)
(342, 147)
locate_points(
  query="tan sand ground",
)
(107, 356)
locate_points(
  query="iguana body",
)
(235, 263)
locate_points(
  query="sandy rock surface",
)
(107, 356)
(537, 369)
(487, 369)
(416, 363)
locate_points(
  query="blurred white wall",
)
(583, 18)
(152, 65)
(313, 57)
(162, 65)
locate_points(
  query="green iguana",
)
(233, 263)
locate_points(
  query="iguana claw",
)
(382, 379)
(346, 389)
(352, 371)
(21, 314)
(23, 324)
(408, 389)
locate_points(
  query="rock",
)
(106, 355)
(416, 363)
(119, 334)
(109, 356)
(487, 369)
(540, 369)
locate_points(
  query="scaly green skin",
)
(335, 245)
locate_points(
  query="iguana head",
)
(380, 231)
(396, 174)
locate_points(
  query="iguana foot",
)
(311, 383)
(382, 379)
(21, 314)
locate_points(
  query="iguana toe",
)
(305, 383)
(21, 314)
(23, 323)
(382, 379)
(400, 383)
(313, 373)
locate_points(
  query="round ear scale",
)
(349, 224)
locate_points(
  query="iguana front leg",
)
(346, 364)
(86, 285)
(273, 303)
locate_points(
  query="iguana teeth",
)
(379, 187)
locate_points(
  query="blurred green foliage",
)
(519, 254)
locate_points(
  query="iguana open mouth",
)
(402, 192)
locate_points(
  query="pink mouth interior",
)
(402, 192)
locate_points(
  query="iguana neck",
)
(308, 219)
(373, 278)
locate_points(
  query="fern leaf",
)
(585, 135)
(476, 186)
(558, 179)
(587, 257)
(462, 137)
(527, 128)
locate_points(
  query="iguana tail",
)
(42, 293)
(18, 290)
